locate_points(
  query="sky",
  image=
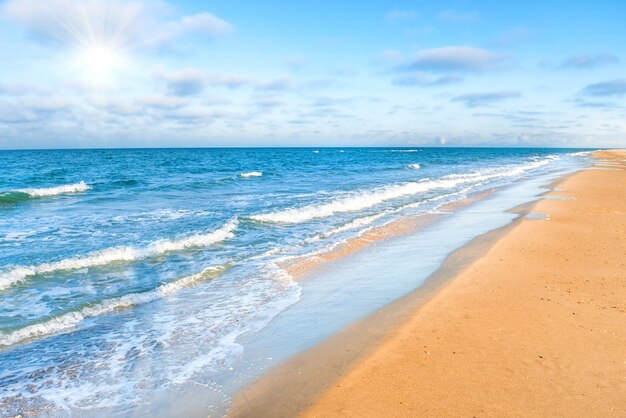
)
(157, 73)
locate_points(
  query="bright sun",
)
(98, 63)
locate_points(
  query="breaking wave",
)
(367, 199)
(18, 274)
(71, 319)
(251, 174)
(354, 224)
(19, 195)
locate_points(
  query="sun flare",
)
(98, 64)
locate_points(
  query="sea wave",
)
(18, 274)
(71, 319)
(18, 195)
(400, 150)
(414, 166)
(160, 215)
(367, 199)
(354, 224)
(81, 186)
(251, 174)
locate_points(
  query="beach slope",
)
(536, 327)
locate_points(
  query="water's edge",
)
(292, 386)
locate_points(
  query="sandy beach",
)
(312, 209)
(534, 326)
(537, 327)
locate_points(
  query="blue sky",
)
(110, 73)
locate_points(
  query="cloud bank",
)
(115, 23)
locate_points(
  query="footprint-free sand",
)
(535, 327)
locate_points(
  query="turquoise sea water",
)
(126, 271)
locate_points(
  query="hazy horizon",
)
(313, 147)
(187, 74)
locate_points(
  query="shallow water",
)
(125, 273)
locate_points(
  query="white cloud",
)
(421, 79)
(185, 82)
(455, 59)
(587, 61)
(116, 106)
(606, 88)
(205, 23)
(14, 89)
(9, 113)
(115, 24)
(163, 102)
(485, 98)
(231, 81)
(278, 84)
(268, 101)
(46, 104)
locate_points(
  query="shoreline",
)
(547, 341)
(292, 386)
(304, 266)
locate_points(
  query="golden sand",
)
(536, 327)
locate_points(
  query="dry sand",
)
(536, 327)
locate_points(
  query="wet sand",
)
(536, 327)
(303, 267)
(533, 324)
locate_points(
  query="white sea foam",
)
(160, 215)
(367, 199)
(401, 150)
(368, 220)
(414, 166)
(18, 274)
(251, 174)
(581, 153)
(71, 319)
(198, 331)
(53, 191)
(354, 224)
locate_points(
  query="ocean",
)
(127, 273)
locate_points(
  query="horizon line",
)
(310, 147)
